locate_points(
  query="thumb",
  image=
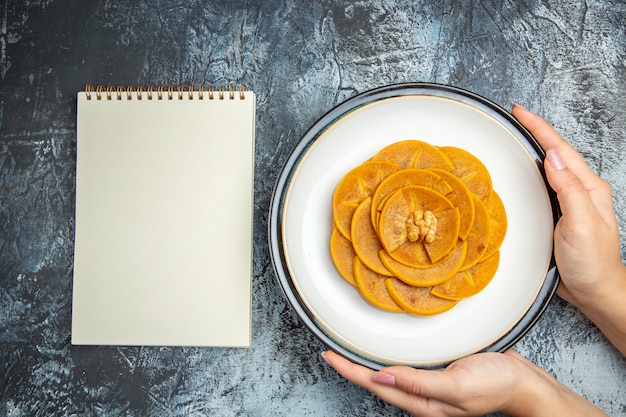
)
(423, 383)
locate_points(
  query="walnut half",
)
(421, 226)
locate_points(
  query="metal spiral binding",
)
(163, 93)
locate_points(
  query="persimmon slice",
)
(469, 282)
(398, 219)
(372, 287)
(499, 222)
(356, 186)
(460, 196)
(406, 178)
(426, 277)
(414, 154)
(470, 170)
(417, 300)
(342, 254)
(365, 240)
(417, 228)
(478, 238)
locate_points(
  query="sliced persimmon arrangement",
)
(417, 227)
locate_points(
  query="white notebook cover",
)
(164, 210)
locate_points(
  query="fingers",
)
(545, 134)
(560, 157)
(358, 374)
(424, 383)
(380, 384)
(473, 385)
(567, 172)
(415, 381)
(542, 131)
(573, 196)
(548, 138)
(405, 387)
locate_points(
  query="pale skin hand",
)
(475, 385)
(587, 250)
(586, 238)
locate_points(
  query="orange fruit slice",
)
(399, 220)
(426, 277)
(470, 170)
(469, 282)
(372, 287)
(342, 254)
(499, 222)
(414, 154)
(405, 178)
(460, 196)
(356, 186)
(417, 300)
(478, 238)
(365, 240)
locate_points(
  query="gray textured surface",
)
(563, 59)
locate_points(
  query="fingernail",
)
(555, 160)
(384, 378)
(518, 105)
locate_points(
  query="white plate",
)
(301, 221)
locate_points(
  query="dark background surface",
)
(562, 59)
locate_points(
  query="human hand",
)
(586, 238)
(587, 251)
(475, 385)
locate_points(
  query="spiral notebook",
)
(164, 210)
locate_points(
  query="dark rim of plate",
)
(275, 223)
